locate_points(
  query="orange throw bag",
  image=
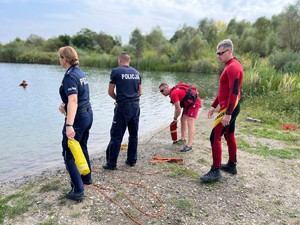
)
(79, 157)
(162, 159)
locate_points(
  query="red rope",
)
(100, 189)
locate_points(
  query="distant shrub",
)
(286, 62)
(203, 66)
(38, 57)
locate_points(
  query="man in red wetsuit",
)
(189, 113)
(229, 107)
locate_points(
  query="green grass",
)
(180, 171)
(270, 129)
(264, 150)
(183, 204)
(14, 205)
(51, 186)
(267, 131)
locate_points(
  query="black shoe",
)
(129, 164)
(230, 167)
(75, 196)
(87, 182)
(107, 167)
(212, 176)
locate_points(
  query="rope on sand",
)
(144, 143)
(101, 189)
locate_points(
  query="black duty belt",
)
(135, 101)
(84, 109)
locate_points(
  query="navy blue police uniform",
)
(126, 114)
(75, 82)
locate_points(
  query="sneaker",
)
(179, 142)
(186, 148)
(212, 176)
(75, 196)
(108, 167)
(230, 167)
(129, 164)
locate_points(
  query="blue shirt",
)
(127, 81)
(75, 82)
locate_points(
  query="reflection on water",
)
(31, 124)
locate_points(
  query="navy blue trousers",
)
(82, 124)
(126, 115)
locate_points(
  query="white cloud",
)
(121, 17)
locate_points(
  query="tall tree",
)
(191, 47)
(262, 28)
(289, 29)
(35, 40)
(156, 39)
(182, 32)
(85, 39)
(208, 30)
(104, 42)
(137, 42)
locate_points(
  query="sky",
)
(51, 18)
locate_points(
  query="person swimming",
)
(23, 84)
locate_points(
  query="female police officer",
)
(74, 92)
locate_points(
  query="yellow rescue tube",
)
(79, 158)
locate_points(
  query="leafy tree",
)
(182, 32)
(104, 42)
(35, 40)
(64, 39)
(53, 44)
(208, 30)
(85, 39)
(236, 29)
(137, 42)
(191, 47)
(118, 40)
(11, 51)
(289, 28)
(221, 32)
(262, 28)
(156, 40)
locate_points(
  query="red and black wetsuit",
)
(228, 100)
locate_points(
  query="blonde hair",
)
(70, 54)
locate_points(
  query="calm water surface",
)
(30, 138)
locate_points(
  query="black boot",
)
(212, 176)
(230, 167)
(75, 196)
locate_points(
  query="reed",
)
(271, 95)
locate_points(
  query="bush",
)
(38, 57)
(203, 66)
(286, 62)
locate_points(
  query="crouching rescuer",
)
(185, 98)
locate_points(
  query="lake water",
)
(30, 138)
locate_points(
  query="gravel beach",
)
(265, 190)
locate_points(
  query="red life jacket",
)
(190, 96)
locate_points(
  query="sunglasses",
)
(162, 90)
(221, 53)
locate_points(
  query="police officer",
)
(127, 82)
(74, 92)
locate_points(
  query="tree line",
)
(190, 49)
